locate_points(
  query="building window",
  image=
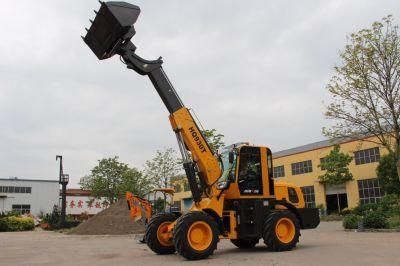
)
(301, 167)
(12, 189)
(367, 156)
(369, 190)
(309, 196)
(279, 171)
(21, 209)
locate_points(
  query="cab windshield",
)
(226, 166)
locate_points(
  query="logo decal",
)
(197, 140)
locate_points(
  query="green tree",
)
(214, 139)
(134, 181)
(387, 174)
(336, 167)
(162, 168)
(365, 88)
(178, 182)
(111, 179)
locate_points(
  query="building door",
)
(336, 198)
(336, 202)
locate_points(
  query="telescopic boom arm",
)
(110, 34)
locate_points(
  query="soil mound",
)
(114, 220)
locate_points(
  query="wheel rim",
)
(200, 235)
(285, 230)
(163, 235)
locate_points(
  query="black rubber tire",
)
(271, 239)
(245, 243)
(181, 229)
(151, 233)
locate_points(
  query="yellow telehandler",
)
(141, 209)
(233, 194)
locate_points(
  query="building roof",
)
(28, 180)
(78, 192)
(309, 147)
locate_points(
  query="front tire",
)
(245, 243)
(157, 236)
(281, 231)
(195, 235)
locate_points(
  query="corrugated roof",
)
(78, 192)
(309, 147)
(30, 180)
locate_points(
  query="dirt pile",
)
(112, 221)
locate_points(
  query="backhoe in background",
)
(141, 209)
(233, 193)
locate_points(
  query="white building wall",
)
(44, 195)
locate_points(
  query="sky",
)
(253, 70)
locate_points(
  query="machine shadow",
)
(258, 249)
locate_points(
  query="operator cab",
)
(247, 171)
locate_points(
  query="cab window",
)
(293, 195)
(250, 174)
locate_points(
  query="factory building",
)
(301, 166)
(32, 196)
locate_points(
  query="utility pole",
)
(63, 180)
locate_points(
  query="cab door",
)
(250, 174)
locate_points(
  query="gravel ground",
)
(327, 245)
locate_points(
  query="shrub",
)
(394, 222)
(53, 218)
(350, 221)
(9, 213)
(3, 225)
(345, 211)
(387, 174)
(390, 204)
(362, 209)
(375, 219)
(71, 224)
(12, 223)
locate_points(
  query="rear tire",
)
(245, 243)
(281, 231)
(195, 235)
(156, 237)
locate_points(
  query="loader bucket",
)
(111, 28)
